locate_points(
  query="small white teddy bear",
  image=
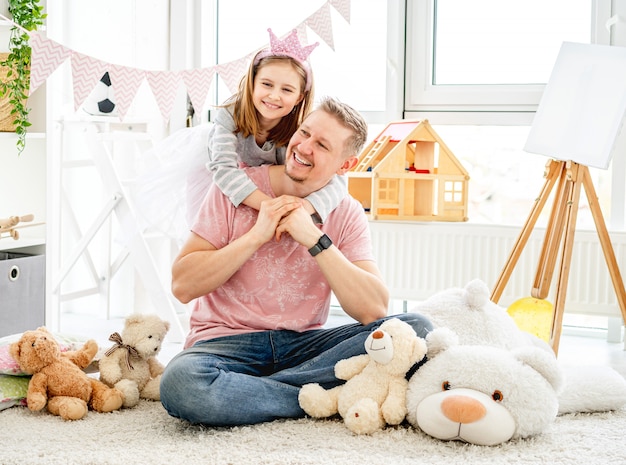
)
(131, 364)
(375, 390)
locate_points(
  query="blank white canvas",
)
(583, 105)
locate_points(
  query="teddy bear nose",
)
(463, 409)
(378, 334)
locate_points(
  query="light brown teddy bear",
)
(131, 364)
(58, 380)
(375, 391)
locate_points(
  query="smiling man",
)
(262, 284)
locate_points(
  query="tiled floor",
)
(574, 349)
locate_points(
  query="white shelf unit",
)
(23, 188)
(23, 177)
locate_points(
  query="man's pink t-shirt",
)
(280, 286)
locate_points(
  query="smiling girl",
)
(254, 126)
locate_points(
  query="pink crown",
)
(290, 47)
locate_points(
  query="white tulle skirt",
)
(172, 182)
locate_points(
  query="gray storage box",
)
(22, 292)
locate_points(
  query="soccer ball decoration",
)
(101, 100)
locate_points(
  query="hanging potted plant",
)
(15, 69)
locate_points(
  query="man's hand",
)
(270, 215)
(299, 225)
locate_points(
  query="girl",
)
(254, 126)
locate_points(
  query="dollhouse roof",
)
(389, 148)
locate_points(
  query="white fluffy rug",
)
(147, 435)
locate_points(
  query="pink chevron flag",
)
(125, 82)
(302, 35)
(232, 72)
(322, 25)
(86, 71)
(164, 85)
(47, 55)
(343, 8)
(198, 81)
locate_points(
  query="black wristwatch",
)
(321, 245)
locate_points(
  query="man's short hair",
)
(349, 118)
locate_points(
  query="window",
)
(480, 94)
(487, 55)
(503, 43)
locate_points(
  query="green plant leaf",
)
(28, 14)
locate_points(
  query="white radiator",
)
(420, 259)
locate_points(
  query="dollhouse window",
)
(453, 192)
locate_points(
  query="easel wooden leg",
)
(574, 184)
(553, 171)
(560, 233)
(553, 236)
(605, 242)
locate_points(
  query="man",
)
(262, 283)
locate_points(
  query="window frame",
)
(469, 104)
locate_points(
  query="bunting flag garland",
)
(302, 35)
(232, 72)
(86, 71)
(48, 55)
(125, 82)
(320, 22)
(198, 82)
(343, 8)
(163, 86)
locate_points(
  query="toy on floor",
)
(470, 313)
(483, 394)
(131, 364)
(508, 382)
(375, 390)
(58, 380)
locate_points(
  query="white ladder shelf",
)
(101, 139)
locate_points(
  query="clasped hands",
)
(286, 214)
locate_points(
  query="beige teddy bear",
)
(58, 380)
(375, 390)
(131, 364)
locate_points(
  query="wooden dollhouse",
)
(408, 173)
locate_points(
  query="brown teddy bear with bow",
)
(58, 380)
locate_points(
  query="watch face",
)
(325, 241)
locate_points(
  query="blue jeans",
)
(255, 377)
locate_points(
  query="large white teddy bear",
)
(483, 394)
(485, 381)
(470, 313)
